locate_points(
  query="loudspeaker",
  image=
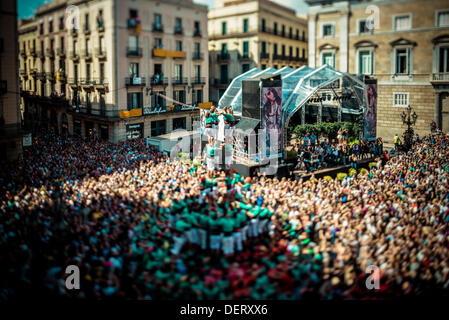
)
(251, 99)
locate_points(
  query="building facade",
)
(403, 44)
(252, 33)
(122, 69)
(10, 118)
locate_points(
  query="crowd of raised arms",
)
(142, 226)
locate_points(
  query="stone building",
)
(404, 44)
(121, 69)
(252, 34)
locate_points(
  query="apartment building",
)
(128, 68)
(403, 44)
(10, 119)
(245, 34)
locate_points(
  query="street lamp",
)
(409, 119)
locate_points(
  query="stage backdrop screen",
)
(272, 120)
(371, 111)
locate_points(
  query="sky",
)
(26, 8)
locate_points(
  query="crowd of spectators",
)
(142, 226)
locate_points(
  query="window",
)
(275, 49)
(304, 53)
(62, 44)
(133, 13)
(61, 22)
(134, 70)
(365, 62)
(157, 22)
(245, 48)
(197, 29)
(134, 100)
(102, 72)
(179, 123)
(158, 102)
(402, 61)
(443, 19)
(158, 127)
(443, 60)
(101, 45)
(198, 96)
(329, 59)
(400, 99)
(224, 73)
(264, 66)
(263, 25)
(264, 47)
(197, 71)
(197, 48)
(41, 28)
(178, 45)
(133, 43)
(50, 25)
(303, 36)
(290, 33)
(402, 22)
(328, 30)
(245, 25)
(283, 49)
(245, 67)
(224, 48)
(290, 51)
(297, 34)
(87, 47)
(363, 26)
(275, 30)
(178, 25)
(158, 43)
(223, 28)
(178, 72)
(86, 26)
(283, 31)
(75, 47)
(88, 71)
(179, 95)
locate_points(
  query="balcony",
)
(74, 82)
(159, 81)
(223, 56)
(49, 52)
(133, 52)
(50, 76)
(91, 112)
(100, 53)
(245, 56)
(279, 57)
(133, 22)
(33, 71)
(222, 81)
(440, 77)
(100, 83)
(264, 55)
(197, 56)
(23, 72)
(60, 52)
(74, 32)
(135, 81)
(33, 52)
(197, 33)
(179, 30)
(41, 76)
(157, 27)
(74, 55)
(87, 82)
(22, 52)
(198, 80)
(87, 55)
(179, 80)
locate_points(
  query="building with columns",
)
(246, 34)
(403, 44)
(120, 69)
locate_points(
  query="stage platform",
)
(331, 171)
